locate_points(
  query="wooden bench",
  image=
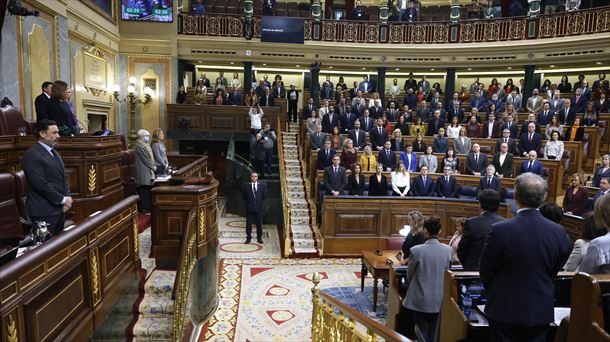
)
(586, 321)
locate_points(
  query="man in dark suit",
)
(567, 114)
(267, 99)
(410, 83)
(386, 157)
(358, 136)
(423, 185)
(347, 121)
(522, 256)
(342, 108)
(334, 178)
(376, 111)
(477, 102)
(279, 91)
(579, 101)
(269, 7)
(546, 115)
(530, 140)
(330, 120)
(490, 180)
(317, 139)
(456, 111)
(531, 118)
(308, 108)
(254, 193)
(42, 101)
(491, 128)
(446, 185)
(532, 165)
(365, 86)
(476, 161)
(366, 122)
(604, 190)
(48, 196)
(326, 93)
(424, 84)
(378, 136)
(410, 99)
(293, 99)
(511, 125)
(476, 230)
(235, 97)
(506, 139)
(325, 156)
(435, 124)
(503, 161)
(423, 113)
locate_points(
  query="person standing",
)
(293, 99)
(42, 101)
(257, 154)
(59, 110)
(145, 170)
(48, 196)
(522, 256)
(255, 193)
(159, 152)
(269, 138)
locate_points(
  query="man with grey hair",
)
(490, 180)
(523, 255)
(145, 169)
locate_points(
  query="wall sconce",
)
(132, 100)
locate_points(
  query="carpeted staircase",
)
(302, 229)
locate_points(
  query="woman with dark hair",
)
(418, 144)
(602, 171)
(590, 117)
(451, 161)
(437, 86)
(220, 98)
(492, 87)
(59, 109)
(510, 86)
(341, 83)
(336, 141)
(575, 132)
(441, 142)
(355, 181)
(551, 211)
(554, 148)
(564, 86)
(378, 183)
(546, 85)
(417, 128)
(402, 125)
(589, 232)
(181, 97)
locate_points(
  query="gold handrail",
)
(186, 262)
(284, 189)
(334, 321)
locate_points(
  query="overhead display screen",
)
(148, 10)
(282, 30)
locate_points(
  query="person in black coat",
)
(476, 230)
(519, 263)
(59, 109)
(446, 185)
(378, 136)
(530, 140)
(334, 178)
(325, 156)
(490, 180)
(355, 181)
(378, 183)
(423, 185)
(42, 101)
(48, 196)
(386, 157)
(254, 193)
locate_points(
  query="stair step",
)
(160, 283)
(155, 306)
(153, 328)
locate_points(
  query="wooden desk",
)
(379, 269)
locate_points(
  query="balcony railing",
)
(467, 31)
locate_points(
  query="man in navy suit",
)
(423, 185)
(511, 125)
(506, 139)
(604, 190)
(532, 165)
(342, 108)
(435, 123)
(376, 110)
(446, 185)
(410, 99)
(308, 108)
(477, 102)
(519, 264)
(254, 193)
(235, 97)
(366, 122)
(531, 118)
(476, 161)
(490, 180)
(325, 156)
(330, 120)
(334, 178)
(546, 115)
(42, 101)
(476, 230)
(347, 120)
(48, 196)
(365, 86)
(378, 135)
(530, 140)
(567, 114)
(326, 93)
(358, 136)
(386, 157)
(456, 111)
(579, 101)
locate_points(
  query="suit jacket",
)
(495, 130)
(41, 104)
(595, 198)
(396, 145)
(567, 116)
(579, 106)
(59, 111)
(505, 169)
(323, 160)
(478, 103)
(47, 182)
(317, 142)
(378, 188)
(440, 145)
(418, 188)
(387, 161)
(535, 108)
(254, 201)
(355, 188)
(359, 141)
(410, 100)
(334, 181)
(425, 85)
(235, 99)
(363, 123)
(264, 103)
(411, 166)
(556, 105)
(472, 166)
(537, 168)
(433, 126)
(544, 119)
(459, 113)
(484, 183)
(427, 265)
(279, 92)
(513, 128)
(376, 112)
(525, 145)
(328, 124)
(462, 148)
(526, 124)
(512, 149)
(342, 109)
(145, 165)
(365, 87)
(517, 260)
(347, 123)
(476, 230)
(378, 139)
(602, 107)
(307, 112)
(444, 189)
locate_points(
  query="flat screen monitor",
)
(282, 30)
(148, 10)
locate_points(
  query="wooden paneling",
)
(353, 224)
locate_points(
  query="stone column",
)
(247, 78)
(528, 84)
(381, 84)
(449, 87)
(314, 86)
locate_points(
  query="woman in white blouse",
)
(429, 160)
(453, 130)
(235, 82)
(400, 180)
(554, 147)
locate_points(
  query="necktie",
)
(447, 179)
(254, 189)
(530, 138)
(379, 130)
(387, 152)
(327, 153)
(335, 170)
(489, 181)
(476, 159)
(529, 168)
(424, 180)
(506, 140)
